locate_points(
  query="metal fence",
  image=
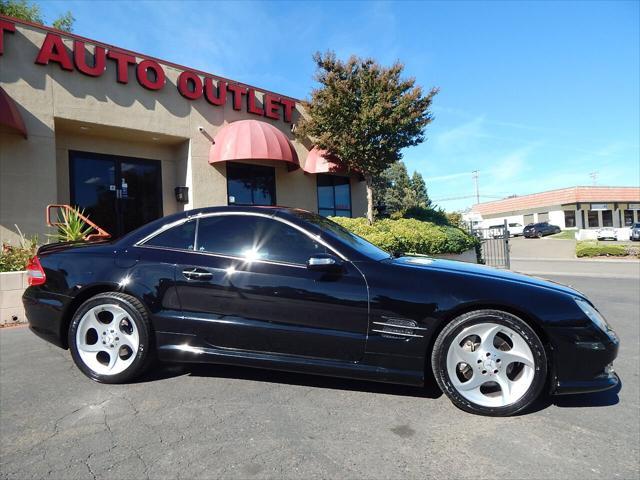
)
(494, 245)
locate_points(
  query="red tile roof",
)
(559, 197)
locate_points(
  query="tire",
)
(539, 235)
(498, 385)
(110, 338)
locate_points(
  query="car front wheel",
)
(489, 362)
(110, 338)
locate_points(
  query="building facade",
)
(130, 138)
(575, 207)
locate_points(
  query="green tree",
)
(398, 192)
(22, 9)
(64, 22)
(420, 190)
(30, 11)
(365, 114)
(399, 195)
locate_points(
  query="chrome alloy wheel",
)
(107, 339)
(490, 365)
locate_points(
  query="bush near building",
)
(16, 258)
(408, 235)
(598, 249)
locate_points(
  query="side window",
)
(255, 238)
(181, 237)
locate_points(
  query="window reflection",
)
(334, 196)
(251, 184)
(255, 238)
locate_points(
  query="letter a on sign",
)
(53, 50)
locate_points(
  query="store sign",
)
(151, 75)
(599, 206)
(634, 206)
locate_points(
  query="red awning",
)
(10, 115)
(319, 162)
(252, 140)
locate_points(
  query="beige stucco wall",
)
(123, 119)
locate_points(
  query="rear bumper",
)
(44, 311)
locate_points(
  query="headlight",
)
(593, 314)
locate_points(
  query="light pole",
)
(475, 175)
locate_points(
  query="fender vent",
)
(399, 328)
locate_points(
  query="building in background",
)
(574, 207)
(130, 138)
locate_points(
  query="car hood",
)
(472, 269)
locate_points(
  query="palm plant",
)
(71, 227)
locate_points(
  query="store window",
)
(250, 184)
(255, 238)
(592, 218)
(628, 218)
(334, 196)
(607, 218)
(569, 218)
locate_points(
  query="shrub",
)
(407, 235)
(432, 215)
(597, 249)
(71, 227)
(16, 258)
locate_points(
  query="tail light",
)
(35, 273)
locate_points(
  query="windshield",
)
(338, 231)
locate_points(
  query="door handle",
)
(197, 274)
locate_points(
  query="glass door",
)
(117, 193)
(140, 193)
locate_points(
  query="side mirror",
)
(324, 263)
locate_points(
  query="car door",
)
(246, 287)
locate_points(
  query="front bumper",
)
(605, 381)
(586, 366)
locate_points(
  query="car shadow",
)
(163, 371)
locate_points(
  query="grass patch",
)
(591, 248)
(565, 235)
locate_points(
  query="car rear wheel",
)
(110, 338)
(489, 362)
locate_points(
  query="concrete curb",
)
(620, 276)
(584, 260)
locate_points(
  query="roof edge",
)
(178, 66)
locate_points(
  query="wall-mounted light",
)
(182, 194)
(207, 136)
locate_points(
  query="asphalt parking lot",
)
(218, 421)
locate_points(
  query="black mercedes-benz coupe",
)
(286, 289)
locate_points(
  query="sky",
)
(533, 95)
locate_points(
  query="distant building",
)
(574, 207)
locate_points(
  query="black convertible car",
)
(287, 289)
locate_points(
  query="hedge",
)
(408, 235)
(597, 249)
